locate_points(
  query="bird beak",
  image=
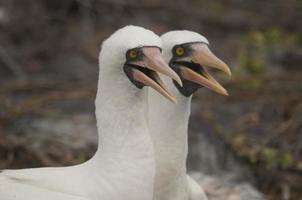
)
(203, 57)
(154, 62)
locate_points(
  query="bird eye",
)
(133, 54)
(179, 51)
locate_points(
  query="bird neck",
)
(124, 163)
(121, 110)
(168, 127)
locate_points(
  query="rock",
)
(74, 132)
(220, 189)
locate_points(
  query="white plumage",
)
(123, 166)
(169, 126)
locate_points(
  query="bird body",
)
(168, 125)
(49, 183)
(13, 190)
(188, 54)
(123, 166)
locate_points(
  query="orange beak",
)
(203, 56)
(155, 63)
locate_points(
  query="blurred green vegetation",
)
(258, 44)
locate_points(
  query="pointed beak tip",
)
(172, 74)
(229, 72)
(172, 99)
(179, 81)
(224, 92)
(226, 69)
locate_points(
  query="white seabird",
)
(188, 54)
(123, 167)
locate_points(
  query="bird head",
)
(135, 52)
(189, 56)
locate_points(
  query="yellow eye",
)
(179, 51)
(133, 54)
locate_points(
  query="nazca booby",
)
(123, 167)
(188, 54)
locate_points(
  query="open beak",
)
(153, 60)
(152, 64)
(203, 57)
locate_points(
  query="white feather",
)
(123, 166)
(169, 128)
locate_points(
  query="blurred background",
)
(245, 146)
